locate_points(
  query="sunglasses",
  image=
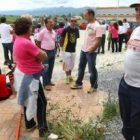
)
(73, 20)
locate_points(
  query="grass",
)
(69, 125)
(111, 108)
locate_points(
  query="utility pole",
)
(118, 9)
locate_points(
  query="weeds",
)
(111, 108)
(69, 125)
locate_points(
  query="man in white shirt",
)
(129, 88)
(126, 27)
(6, 39)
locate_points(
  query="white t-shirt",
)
(126, 26)
(132, 60)
(121, 30)
(103, 29)
(5, 33)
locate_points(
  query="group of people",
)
(34, 60)
(117, 34)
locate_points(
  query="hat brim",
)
(134, 5)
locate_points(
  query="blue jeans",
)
(129, 101)
(90, 58)
(8, 47)
(50, 61)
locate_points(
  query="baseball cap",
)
(135, 4)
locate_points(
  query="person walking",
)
(114, 35)
(7, 43)
(103, 26)
(129, 88)
(46, 41)
(89, 51)
(68, 42)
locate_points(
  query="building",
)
(116, 13)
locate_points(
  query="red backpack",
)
(5, 92)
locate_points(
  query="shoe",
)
(53, 136)
(91, 90)
(68, 80)
(32, 128)
(76, 86)
(72, 79)
(61, 61)
(52, 84)
(48, 88)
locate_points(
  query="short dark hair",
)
(90, 11)
(22, 25)
(61, 25)
(65, 19)
(125, 20)
(3, 19)
(46, 20)
(115, 25)
(120, 22)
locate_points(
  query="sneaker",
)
(68, 80)
(53, 136)
(72, 79)
(76, 86)
(91, 90)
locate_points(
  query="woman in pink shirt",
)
(114, 32)
(30, 94)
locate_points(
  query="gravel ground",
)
(109, 78)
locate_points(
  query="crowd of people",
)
(29, 61)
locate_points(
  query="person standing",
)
(129, 88)
(46, 41)
(42, 23)
(68, 42)
(66, 22)
(89, 51)
(59, 33)
(121, 34)
(7, 43)
(114, 35)
(27, 74)
(103, 26)
(126, 27)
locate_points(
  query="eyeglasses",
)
(73, 20)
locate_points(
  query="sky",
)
(33, 4)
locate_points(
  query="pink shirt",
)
(47, 39)
(114, 32)
(93, 30)
(25, 53)
(60, 30)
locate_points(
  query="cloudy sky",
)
(32, 4)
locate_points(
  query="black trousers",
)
(129, 101)
(121, 38)
(114, 43)
(8, 47)
(102, 44)
(41, 113)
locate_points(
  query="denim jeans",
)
(8, 47)
(129, 101)
(90, 58)
(50, 61)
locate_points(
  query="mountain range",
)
(46, 11)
